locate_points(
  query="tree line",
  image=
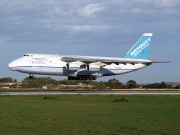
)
(81, 84)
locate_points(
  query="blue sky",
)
(92, 27)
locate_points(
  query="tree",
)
(161, 85)
(15, 80)
(131, 84)
(6, 80)
(177, 86)
(114, 84)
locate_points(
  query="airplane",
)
(86, 67)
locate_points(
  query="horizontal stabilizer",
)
(168, 61)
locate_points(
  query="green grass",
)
(90, 115)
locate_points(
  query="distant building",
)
(44, 87)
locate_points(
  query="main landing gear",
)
(82, 77)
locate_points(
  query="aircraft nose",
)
(12, 65)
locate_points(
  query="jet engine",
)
(93, 67)
(74, 65)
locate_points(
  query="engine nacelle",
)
(93, 67)
(73, 65)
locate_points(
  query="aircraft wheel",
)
(31, 77)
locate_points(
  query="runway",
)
(90, 92)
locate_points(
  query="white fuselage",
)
(53, 65)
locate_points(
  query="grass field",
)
(90, 115)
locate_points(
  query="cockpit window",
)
(26, 55)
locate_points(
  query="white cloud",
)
(155, 8)
(56, 10)
(156, 3)
(88, 28)
(82, 16)
(99, 29)
(90, 10)
(163, 3)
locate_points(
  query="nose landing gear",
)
(31, 76)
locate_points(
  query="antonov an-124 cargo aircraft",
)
(86, 67)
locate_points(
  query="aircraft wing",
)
(103, 60)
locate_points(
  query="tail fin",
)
(141, 47)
